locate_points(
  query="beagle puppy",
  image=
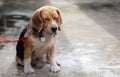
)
(39, 47)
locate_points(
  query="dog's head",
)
(47, 18)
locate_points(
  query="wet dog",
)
(39, 47)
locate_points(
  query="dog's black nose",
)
(54, 29)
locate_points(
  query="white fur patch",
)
(40, 48)
(54, 66)
(27, 66)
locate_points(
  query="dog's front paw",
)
(28, 70)
(55, 68)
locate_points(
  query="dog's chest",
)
(40, 46)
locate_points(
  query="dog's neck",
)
(36, 33)
(41, 35)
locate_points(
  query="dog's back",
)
(20, 45)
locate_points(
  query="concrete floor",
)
(87, 46)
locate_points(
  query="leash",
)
(4, 39)
(32, 31)
(9, 40)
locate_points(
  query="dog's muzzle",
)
(54, 29)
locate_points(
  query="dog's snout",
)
(54, 28)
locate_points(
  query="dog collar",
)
(40, 34)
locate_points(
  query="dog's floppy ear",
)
(37, 21)
(59, 20)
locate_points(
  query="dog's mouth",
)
(53, 33)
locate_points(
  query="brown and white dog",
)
(39, 45)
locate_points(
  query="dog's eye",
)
(55, 18)
(46, 19)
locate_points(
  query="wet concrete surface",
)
(87, 46)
